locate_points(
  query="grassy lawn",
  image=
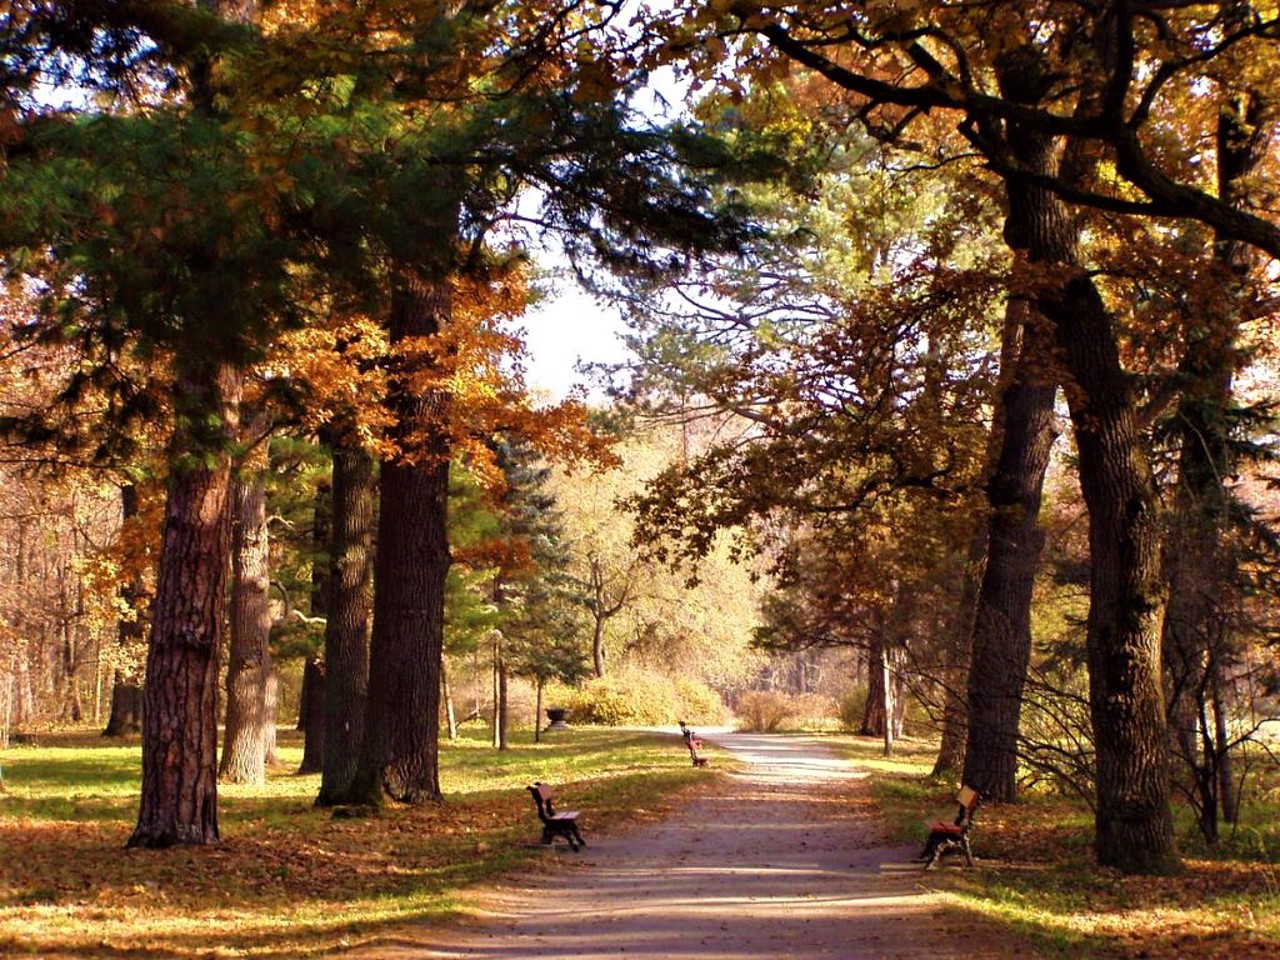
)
(1036, 872)
(288, 879)
(291, 880)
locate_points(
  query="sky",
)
(566, 328)
(569, 326)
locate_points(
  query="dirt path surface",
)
(783, 861)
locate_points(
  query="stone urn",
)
(557, 716)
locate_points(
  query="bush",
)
(853, 708)
(699, 703)
(762, 711)
(814, 711)
(636, 698)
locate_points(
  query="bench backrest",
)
(968, 798)
(542, 796)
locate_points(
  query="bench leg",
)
(569, 831)
(934, 856)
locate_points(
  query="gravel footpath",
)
(783, 861)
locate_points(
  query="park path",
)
(782, 859)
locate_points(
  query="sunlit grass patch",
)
(290, 879)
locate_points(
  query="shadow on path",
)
(778, 863)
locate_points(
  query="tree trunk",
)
(1037, 226)
(597, 647)
(126, 708)
(179, 801)
(346, 631)
(1229, 797)
(537, 710)
(503, 707)
(955, 672)
(601, 611)
(1133, 820)
(1002, 618)
(888, 698)
(244, 750)
(400, 757)
(271, 707)
(311, 706)
(126, 692)
(885, 692)
(450, 708)
(311, 716)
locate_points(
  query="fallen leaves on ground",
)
(1036, 864)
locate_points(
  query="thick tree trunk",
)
(179, 802)
(244, 750)
(400, 757)
(1134, 824)
(346, 632)
(1037, 227)
(1133, 821)
(1002, 619)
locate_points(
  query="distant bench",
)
(556, 823)
(693, 742)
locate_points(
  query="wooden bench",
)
(556, 823)
(951, 837)
(693, 742)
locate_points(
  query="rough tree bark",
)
(1133, 820)
(179, 802)
(400, 756)
(1037, 228)
(244, 749)
(346, 631)
(311, 718)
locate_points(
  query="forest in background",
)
(953, 396)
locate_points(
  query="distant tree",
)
(538, 632)
(125, 713)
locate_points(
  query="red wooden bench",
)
(952, 836)
(693, 742)
(556, 823)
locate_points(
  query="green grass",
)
(1036, 876)
(290, 879)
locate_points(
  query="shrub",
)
(853, 708)
(630, 699)
(814, 711)
(762, 711)
(638, 698)
(699, 703)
